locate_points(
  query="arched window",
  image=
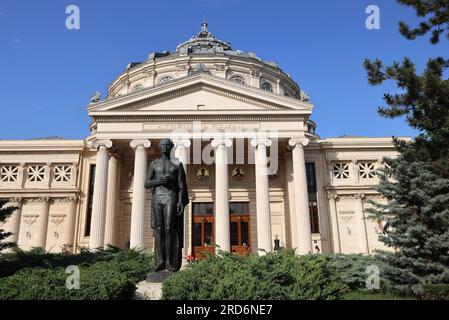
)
(267, 87)
(165, 79)
(238, 79)
(137, 87)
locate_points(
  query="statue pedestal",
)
(158, 276)
(151, 288)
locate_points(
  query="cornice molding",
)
(197, 82)
(190, 118)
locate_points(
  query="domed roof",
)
(203, 42)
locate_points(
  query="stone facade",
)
(241, 127)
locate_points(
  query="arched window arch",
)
(266, 86)
(165, 79)
(238, 79)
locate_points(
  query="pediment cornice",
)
(136, 102)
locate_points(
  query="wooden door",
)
(203, 229)
(240, 228)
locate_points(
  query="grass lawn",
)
(359, 295)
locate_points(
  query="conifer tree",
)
(416, 183)
(5, 212)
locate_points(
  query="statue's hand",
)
(163, 180)
(180, 209)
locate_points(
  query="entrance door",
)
(240, 235)
(203, 228)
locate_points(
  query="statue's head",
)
(165, 145)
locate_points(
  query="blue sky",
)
(48, 72)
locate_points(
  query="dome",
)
(204, 52)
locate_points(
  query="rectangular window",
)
(90, 199)
(238, 208)
(203, 208)
(314, 221)
(313, 203)
(311, 178)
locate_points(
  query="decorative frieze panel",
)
(62, 173)
(367, 170)
(340, 170)
(36, 173)
(9, 173)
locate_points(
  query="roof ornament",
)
(203, 43)
(95, 97)
(305, 96)
(200, 68)
(204, 24)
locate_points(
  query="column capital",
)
(360, 196)
(332, 195)
(294, 142)
(186, 143)
(140, 143)
(16, 201)
(261, 141)
(101, 143)
(221, 141)
(73, 199)
(43, 199)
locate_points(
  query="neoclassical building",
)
(259, 175)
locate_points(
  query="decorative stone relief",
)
(29, 219)
(346, 216)
(202, 174)
(57, 219)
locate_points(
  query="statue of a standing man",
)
(170, 196)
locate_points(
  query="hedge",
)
(274, 276)
(104, 275)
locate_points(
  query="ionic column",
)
(262, 195)
(304, 233)
(182, 155)
(138, 204)
(43, 221)
(364, 246)
(222, 219)
(13, 225)
(332, 196)
(69, 229)
(100, 190)
(111, 201)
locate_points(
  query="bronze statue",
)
(170, 196)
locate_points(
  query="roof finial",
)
(204, 23)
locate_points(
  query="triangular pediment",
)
(199, 93)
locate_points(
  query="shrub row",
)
(104, 275)
(275, 276)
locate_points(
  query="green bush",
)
(436, 292)
(352, 268)
(104, 275)
(275, 276)
(99, 282)
(12, 262)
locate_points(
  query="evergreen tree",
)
(5, 212)
(416, 183)
(436, 19)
